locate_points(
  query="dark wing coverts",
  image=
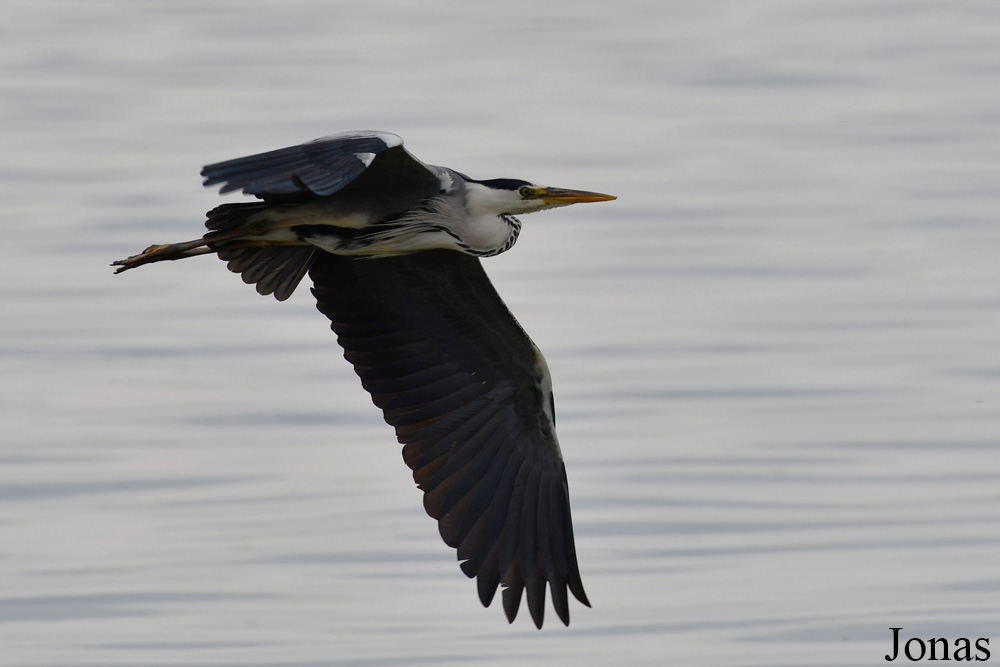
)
(321, 167)
(459, 380)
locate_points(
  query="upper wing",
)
(322, 167)
(468, 394)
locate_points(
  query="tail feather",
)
(226, 217)
(277, 270)
(276, 264)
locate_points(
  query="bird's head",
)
(514, 197)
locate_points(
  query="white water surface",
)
(776, 356)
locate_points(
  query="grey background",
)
(775, 356)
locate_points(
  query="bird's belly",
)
(380, 244)
(312, 214)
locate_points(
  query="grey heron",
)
(392, 246)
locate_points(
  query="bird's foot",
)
(160, 253)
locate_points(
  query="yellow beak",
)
(562, 197)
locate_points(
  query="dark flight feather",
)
(451, 369)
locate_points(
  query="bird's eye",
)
(525, 191)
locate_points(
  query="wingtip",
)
(576, 586)
(511, 601)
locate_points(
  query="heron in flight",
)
(392, 246)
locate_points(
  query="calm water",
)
(776, 355)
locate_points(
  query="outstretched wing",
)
(322, 167)
(468, 394)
